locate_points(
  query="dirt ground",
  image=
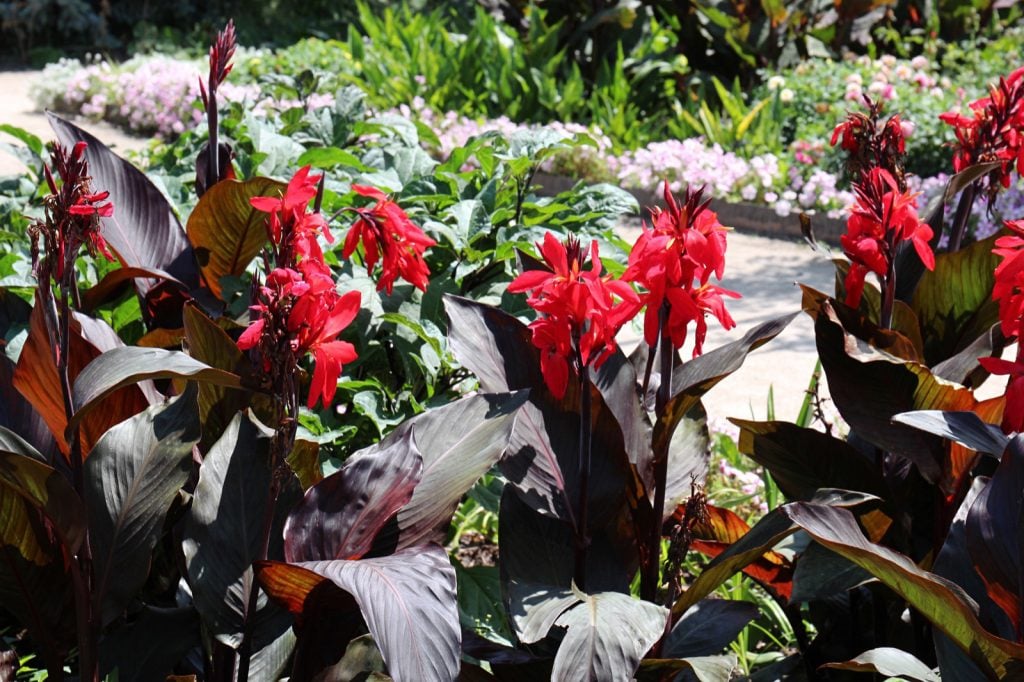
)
(764, 271)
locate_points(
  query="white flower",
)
(786, 96)
(776, 82)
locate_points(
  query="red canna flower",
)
(993, 132)
(881, 218)
(291, 227)
(388, 235)
(579, 312)
(674, 260)
(301, 312)
(73, 213)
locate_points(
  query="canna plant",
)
(901, 515)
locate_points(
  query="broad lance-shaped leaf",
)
(870, 386)
(407, 599)
(890, 662)
(965, 428)
(151, 645)
(127, 365)
(607, 635)
(339, 517)
(223, 534)
(37, 379)
(801, 461)
(226, 231)
(143, 231)
(995, 534)
(954, 302)
(132, 476)
(114, 281)
(708, 627)
(693, 379)
(942, 602)
(460, 442)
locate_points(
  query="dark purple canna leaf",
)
(606, 636)
(222, 535)
(125, 366)
(707, 627)
(801, 461)
(407, 599)
(339, 517)
(966, 428)
(153, 644)
(115, 282)
(132, 476)
(995, 535)
(143, 231)
(459, 442)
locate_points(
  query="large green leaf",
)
(226, 231)
(954, 302)
(131, 477)
(408, 600)
(223, 535)
(127, 365)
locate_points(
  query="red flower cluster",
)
(1009, 291)
(994, 131)
(882, 217)
(299, 309)
(73, 213)
(388, 235)
(674, 260)
(579, 315)
(291, 228)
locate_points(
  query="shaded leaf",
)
(111, 285)
(222, 534)
(304, 460)
(339, 517)
(890, 662)
(707, 627)
(143, 231)
(803, 460)
(226, 232)
(150, 647)
(126, 365)
(703, 668)
(131, 477)
(822, 574)
(607, 635)
(995, 534)
(688, 456)
(535, 608)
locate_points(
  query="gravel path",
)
(763, 270)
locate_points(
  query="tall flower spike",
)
(73, 213)
(387, 235)
(872, 144)
(674, 260)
